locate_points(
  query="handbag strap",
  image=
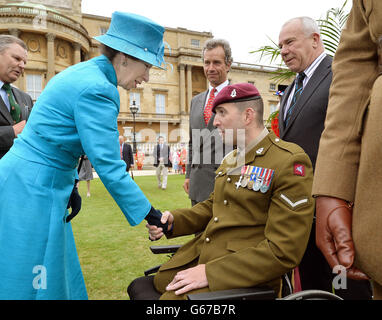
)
(80, 165)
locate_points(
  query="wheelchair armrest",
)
(164, 249)
(254, 293)
(160, 250)
(151, 270)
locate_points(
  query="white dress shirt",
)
(4, 95)
(308, 74)
(218, 89)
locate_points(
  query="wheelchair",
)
(143, 288)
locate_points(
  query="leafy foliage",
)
(331, 27)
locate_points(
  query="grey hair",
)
(213, 43)
(309, 25)
(6, 40)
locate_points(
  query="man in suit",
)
(162, 162)
(348, 182)
(255, 225)
(301, 120)
(15, 105)
(205, 149)
(126, 153)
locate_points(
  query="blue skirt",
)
(38, 256)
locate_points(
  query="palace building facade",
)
(58, 34)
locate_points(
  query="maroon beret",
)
(236, 93)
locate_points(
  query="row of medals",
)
(255, 178)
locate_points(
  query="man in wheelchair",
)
(255, 225)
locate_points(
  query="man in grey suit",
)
(162, 162)
(15, 105)
(301, 120)
(205, 149)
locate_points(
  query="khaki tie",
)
(15, 108)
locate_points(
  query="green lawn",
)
(112, 253)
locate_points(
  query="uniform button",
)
(225, 202)
(216, 219)
(229, 180)
(208, 240)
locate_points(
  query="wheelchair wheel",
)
(312, 295)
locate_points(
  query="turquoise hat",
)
(136, 36)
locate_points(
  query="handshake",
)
(158, 224)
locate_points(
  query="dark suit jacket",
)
(7, 134)
(166, 155)
(205, 151)
(127, 155)
(307, 120)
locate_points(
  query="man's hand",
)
(19, 127)
(334, 234)
(186, 185)
(156, 233)
(189, 279)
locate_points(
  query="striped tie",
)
(15, 110)
(208, 108)
(297, 92)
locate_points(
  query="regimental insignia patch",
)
(299, 170)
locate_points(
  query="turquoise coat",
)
(75, 114)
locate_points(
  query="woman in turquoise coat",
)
(76, 114)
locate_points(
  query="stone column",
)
(77, 53)
(182, 88)
(50, 48)
(189, 86)
(14, 32)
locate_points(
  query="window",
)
(160, 103)
(34, 85)
(195, 43)
(273, 106)
(272, 87)
(137, 97)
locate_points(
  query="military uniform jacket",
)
(250, 237)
